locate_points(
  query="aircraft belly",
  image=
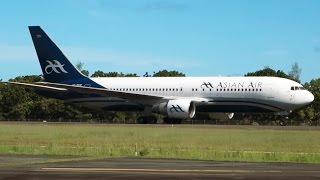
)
(231, 108)
(239, 105)
(107, 104)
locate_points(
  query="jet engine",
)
(176, 109)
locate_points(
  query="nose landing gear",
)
(283, 121)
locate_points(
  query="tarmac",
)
(42, 167)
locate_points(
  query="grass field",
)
(223, 143)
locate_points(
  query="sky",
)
(197, 37)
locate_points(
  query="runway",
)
(131, 168)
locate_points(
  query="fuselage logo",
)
(176, 108)
(54, 66)
(206, 85)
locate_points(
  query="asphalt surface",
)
(37, 167)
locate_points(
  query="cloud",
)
(120, 59)
(92, 56)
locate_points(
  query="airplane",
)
(177, 98)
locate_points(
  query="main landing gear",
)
(283, 121)
(167, 120)
(147, 120)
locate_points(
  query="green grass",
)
(221, 143)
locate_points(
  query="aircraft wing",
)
(86, 90)
(37, 86)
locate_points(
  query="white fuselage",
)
(222, 94)
(177, 97)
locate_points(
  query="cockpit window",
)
(295, 88)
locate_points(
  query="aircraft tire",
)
(167, 120)
(147, 120)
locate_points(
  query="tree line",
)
(22, 104)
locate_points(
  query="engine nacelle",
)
(177, 109)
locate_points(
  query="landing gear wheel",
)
(147, 120)
(167, 120)
(283, 123)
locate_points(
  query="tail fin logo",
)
(54, 66)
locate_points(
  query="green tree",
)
(100, 73)
(21, 103)
(268, 72)
(295, 72)
(312, 111)
(80, 67)
(27, 79)
(165, 73)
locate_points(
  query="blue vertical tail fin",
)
(56, 68)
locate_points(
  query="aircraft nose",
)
(309, 97)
